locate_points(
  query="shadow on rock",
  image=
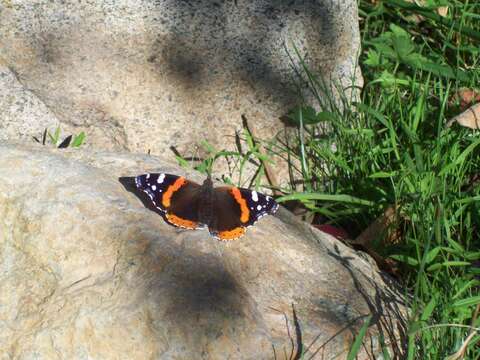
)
(244, 39)
(202, 304)
(192, 294)
(384, 306)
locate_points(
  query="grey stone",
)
(148, 75)
(22, 114)
(87, 272)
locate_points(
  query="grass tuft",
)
(393, 150)
(353, 160)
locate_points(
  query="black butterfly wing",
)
(258, 205)
(235, 209)
(226, 218)
(177, 197)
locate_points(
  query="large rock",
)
(22, 114)
(148, 75)
(87, 272)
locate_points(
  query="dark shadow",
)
(386, 304)
(194, 297)
(204, 301)
(201, 290)
(296, 345)
(197, 298)
(290, 338)
(309, 349)
(298, 335)
(387, 317)
(244, 39)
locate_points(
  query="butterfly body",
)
(227, 211)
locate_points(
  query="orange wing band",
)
(245, 213)
(231, 234)
(167, 196)
(178, 221)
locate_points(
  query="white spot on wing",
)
(161, 178)
(154, 187)
(148, 176)
(259, 207)
(254, 196)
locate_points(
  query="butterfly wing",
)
(175, 196)
(258, 205)
(226, 223)
(235, 209)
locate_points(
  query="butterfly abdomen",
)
(206, 208)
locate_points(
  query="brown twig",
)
(461, 352)
(272, 179)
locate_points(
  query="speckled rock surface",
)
(142, 75)
(22, 113)
(87, 272)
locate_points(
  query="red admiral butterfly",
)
(227, 211)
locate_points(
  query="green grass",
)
(248, 154)
(391, 148)
(56, 141)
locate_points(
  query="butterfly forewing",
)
(155, 185)
(258, 205)
(177, 197)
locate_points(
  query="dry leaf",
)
(386, 228)
(467, 97)
(469, 118)
(389, 265)
(416, 18)
(442, 11)
(336, 232)
(383, 227)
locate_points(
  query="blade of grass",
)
(359, 338)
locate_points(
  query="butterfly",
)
(226, 211)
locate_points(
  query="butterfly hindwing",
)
(227, 215)
(236, 209)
